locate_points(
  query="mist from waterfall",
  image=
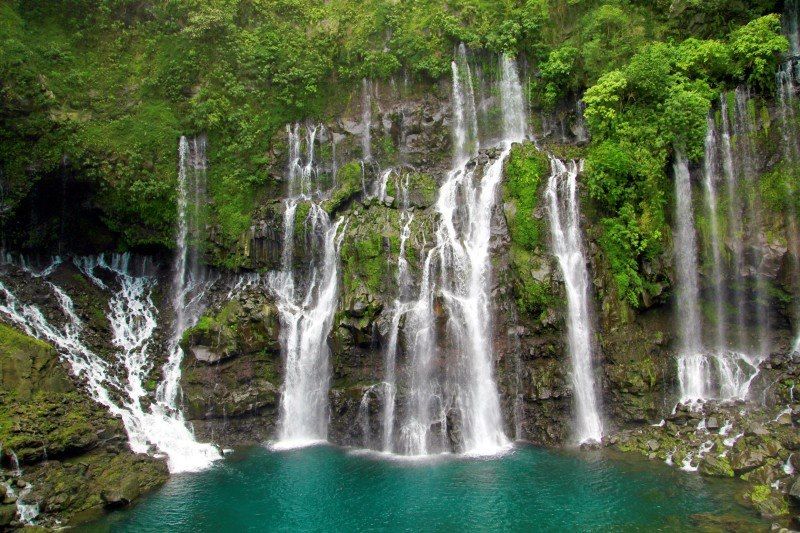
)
(564, 217)
(306, 303)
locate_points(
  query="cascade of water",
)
(791, 145)
(693, 372)
(791, 27)
(465, 101)
(735, 229)
(744, 128)
(461, 256)
(711, 166)
(563, 210)
(404, 283)
(132, 317)
(189, 278)
(306, 309)
(733, 370)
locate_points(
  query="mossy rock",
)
(348, 186)
(235, 329)
(28, 365)
(82, 489)
(714, 466)
(41, 413)
(769, 503)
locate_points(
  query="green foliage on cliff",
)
(639, 113)
(108, 87)
(524, 172)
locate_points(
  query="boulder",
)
(7, 515)
(745, 460)
(714, 466)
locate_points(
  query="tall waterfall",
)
(189, 278)
(725, 366)
(710, 173)
(564, 215)
(401, 303)
(461, 253)
(366, 119)
(306, 304)
(787, 78)
(692, 363)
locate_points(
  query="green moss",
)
(13, 341)
(525, 173)
(348, 179)
(533, 297)
(300, 215)
(367, 260)
(767, 502)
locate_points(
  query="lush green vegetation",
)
(526, 173)
(110, 85)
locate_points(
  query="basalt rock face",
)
(232, 386)
(231, 373)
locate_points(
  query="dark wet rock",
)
(794, 491)
(7, 514)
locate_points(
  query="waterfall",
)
(133, 319)
(735, 230)
(710, 173)
(366, 119)
(465, 204)
(787, 88)
(745, 127)
(189, 278)
(791, 27)
(733, 368)
(404, 283)
(119, 384)
(306, 306)
(563, 210)
(693, 373)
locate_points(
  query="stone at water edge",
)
(712, 424)
(714, 466)
(746, 460)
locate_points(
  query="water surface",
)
(325, 488)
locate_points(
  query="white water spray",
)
(563, 210)
(306, 308)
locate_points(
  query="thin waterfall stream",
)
(564, 215)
